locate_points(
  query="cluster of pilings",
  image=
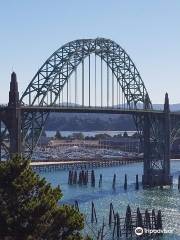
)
(75, 178)
(83, 177)
(125, 182)
(125, 226)
(150, 222)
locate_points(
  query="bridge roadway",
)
(87, 109)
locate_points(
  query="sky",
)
(149, 31)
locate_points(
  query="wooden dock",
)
(46, 166)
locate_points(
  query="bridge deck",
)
(72, 109)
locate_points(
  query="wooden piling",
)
(147, 220)
(84, 177)
(80, 178)
(87, 177)
(100, 180)
(76, 205)
(102, 230)
(114, 227)
(159, 220)
(139, 221)
(114, 182)
(93, 213)
(92, 178)
(69, 177)
(137, 182)
(111, 214)
(128, 222)
(179, 183)
(153, 224)
(99, 234)
(75, 177)
(125, 182)
(118, 226)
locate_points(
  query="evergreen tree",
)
(29, 207)
(58, 135)
(125, 134)
(79, 136)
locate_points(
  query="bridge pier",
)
(157, 166)
(12, 118)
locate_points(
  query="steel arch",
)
(54, 73)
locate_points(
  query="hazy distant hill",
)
(90, 122)
(173, 107)
(95, 121)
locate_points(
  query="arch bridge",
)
(94, 76)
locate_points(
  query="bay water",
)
(166, 200)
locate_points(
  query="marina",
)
(76, 152)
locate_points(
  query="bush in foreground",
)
(29, 206)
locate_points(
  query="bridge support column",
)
(147, 145)
(157, 151)
(14, 118)
(167, 178)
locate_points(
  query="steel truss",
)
(4, 141)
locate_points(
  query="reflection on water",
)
(168, 200)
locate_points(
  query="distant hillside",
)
(173, 107)
(95, 121)
(90, 122)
